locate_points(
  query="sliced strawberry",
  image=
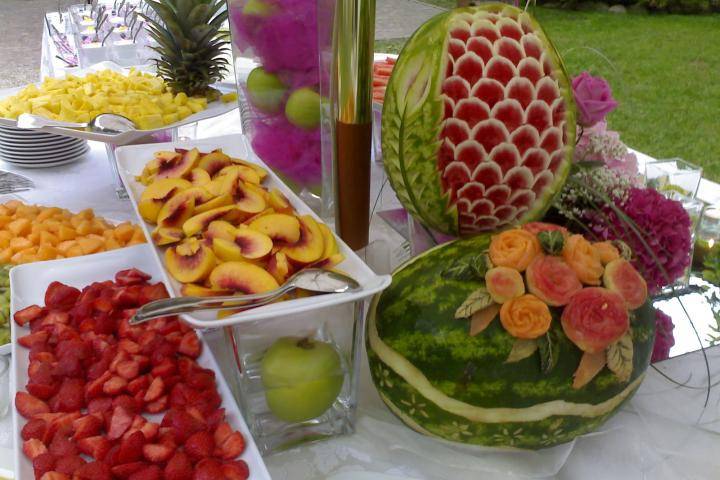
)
(132, 276)
(231, 447)
(182, 423)
(33, 448)
(93, 471)
(29, 406)
(128, 403)
(208, 469)
(140, 383)
(35, 428)
(27, 341)
(235, 470)
(222, 433)
(120, 356)
(179, 467)
(126, 469)
(142, 360)
(45, 462)
(61, 446)
(157, 452)
(68, 465)
(199, 445)
(57, 318)
(152, 472)
(129, 346)
(69, 366)
(201, 381)
(28, 314)
(97, 446)
(87, 426)
(94, 388)
(71, 396)
(128, 369)
(115, 385)
(42, 391)
(119, 422)
(155, 390)
(154, 292)
(100, 405)
(165, 368)
(131, 448)
(61, 296)
(150, 430)
(215, 418)
(159, 405)
(190, 345)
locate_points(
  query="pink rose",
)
(593, 98)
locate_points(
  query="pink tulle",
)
(664, 338)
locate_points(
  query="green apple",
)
(302, 378)
(258, 8)
(303, 108)
(265, 90)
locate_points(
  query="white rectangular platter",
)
(132, 159)
(29, 282)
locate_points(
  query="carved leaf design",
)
(620, 357)
(521, 349)
(476, 301)
(590, 366)
(549, 353)
(480, 320)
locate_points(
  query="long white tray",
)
(29, 282)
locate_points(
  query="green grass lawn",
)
(664, 70)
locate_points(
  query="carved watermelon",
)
(442, 382)
(478, 122)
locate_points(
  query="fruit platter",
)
(98, 399)
(222, 222)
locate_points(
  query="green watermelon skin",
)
(416, 345)
(453, 192)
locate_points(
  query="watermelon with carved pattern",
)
(478, 123)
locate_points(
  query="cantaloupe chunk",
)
(64, 247)
(47, 238)
(20, 243)
(85, 227)
(46, 252)
(90, 244)
(66, 233)
(124, 232)
(19, 227)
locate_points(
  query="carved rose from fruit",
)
(621, 277)
(525, 317)
(537, 227)
(552, 280)
(583, 259)
(514, 249)
(504, 284)
(595, 318)
(608, 252)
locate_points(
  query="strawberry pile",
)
(92, 376)
(382, 69)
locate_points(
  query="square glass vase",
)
(296, 378)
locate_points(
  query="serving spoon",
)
(311, 279)
(108, 123)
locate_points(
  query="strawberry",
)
(154, 292)
(71, 396)
(179, 467)
(93, 471)
(129, 346)
(208, 469)
(69, 366)
(155, 390)
(152, 472)
(54, 476)
(200, 381)
(56, 318)
(29, 406)
(41, 390)
(140, 383)
(157, 452)
(159, 405)
(128, 403)
(27, 341)
(68, 465)
(200, 445)
(115, 385)
(61, 296)
(33, 448)
(45, 462)
(165, 368)
(190, 345)
(119, 422)
(35, 428)
(128, 369)
(126, 469)
(132, 276)
(96, 447)
(222, 433)
(214, 419)
(28, 314)
(61, 446)
(131, 448)
(229, 444)
(150, 430)
(235, 470)
(87, 426)
(99, 405)
(182, 423)
(94, 388)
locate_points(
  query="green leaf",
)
(475, 302)
(551, 241)
(521, 350)
(468, 268)
(549, 352)
(620, 357)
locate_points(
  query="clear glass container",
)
(297, 377)
(673, 175)
(695, 208)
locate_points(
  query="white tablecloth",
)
(665, 432)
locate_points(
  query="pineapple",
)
(191, 46)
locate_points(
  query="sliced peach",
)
(156, 194)
(279, 202)
(331, 247)
(166, 235)
(175, 212)
(247, 199)
(199, 177)
(310, 247)
(195, 290)
(149, 172)
(176, 165)
(246, 244)
(216, 202)
(281, 228)
(246, 174)
(242, 277)
(252, 218)
(279, 267)
(214, 161)
(260, 170)
(190, 261)
(199, 222)
(219, 229)
(259, 190)
(330, 262)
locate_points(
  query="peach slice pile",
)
(224, 231)
(31, 233)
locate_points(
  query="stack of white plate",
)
(33, 149)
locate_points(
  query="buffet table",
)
(665, 432)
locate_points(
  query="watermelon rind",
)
(442, 382)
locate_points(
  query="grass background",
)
(664, 71)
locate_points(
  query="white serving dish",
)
(132, 159)
(213, 109)
(29, 282)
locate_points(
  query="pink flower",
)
(664, 338)
(598, 144)
(593, 98)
